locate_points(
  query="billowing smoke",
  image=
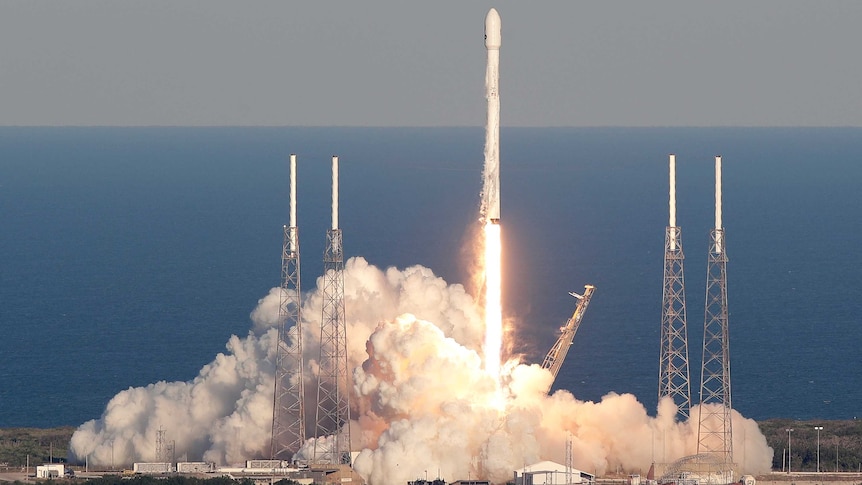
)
(421, 400)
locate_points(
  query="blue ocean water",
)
(130, 255)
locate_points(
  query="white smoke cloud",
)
(421, 399)
(221, 415)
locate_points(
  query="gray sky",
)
(388, 63)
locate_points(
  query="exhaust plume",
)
(421, 398)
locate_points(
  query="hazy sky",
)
(388, 63)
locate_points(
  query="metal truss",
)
(715, 433)
(673, 374)
(554, 360)
(288, 415)
(333, 400)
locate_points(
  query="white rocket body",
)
(491, 186)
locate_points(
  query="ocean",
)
(129, 256)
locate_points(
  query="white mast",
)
(672, 201)
(718, 227)
(334, 192)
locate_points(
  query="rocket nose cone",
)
(492, 30)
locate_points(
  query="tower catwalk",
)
(715, 432)
(288, 410)
(333, 401)
(673, 372)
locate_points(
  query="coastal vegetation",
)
(17, 445)
(840, 444)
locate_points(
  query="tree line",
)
(840, 444)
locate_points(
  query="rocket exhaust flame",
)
(493, 299)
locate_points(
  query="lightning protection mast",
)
(333, 401)
(715, 433)
(288, 410)
(674, 379)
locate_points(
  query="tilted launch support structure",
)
(554, 360)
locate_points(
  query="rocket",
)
(491, 185)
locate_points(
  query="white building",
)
(550, 473)
(152, 468)
(53, 470)
(265, 464)
(195, 467)
(747, 480)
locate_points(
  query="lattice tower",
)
(333, 400)
(715, 433)
(161, 449)
(673, 374)
(288, 419)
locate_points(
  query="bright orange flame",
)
(493, 299)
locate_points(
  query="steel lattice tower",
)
(715, 432)
(673, 373)
(333, 402)
(161, 455)
(288, 410)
